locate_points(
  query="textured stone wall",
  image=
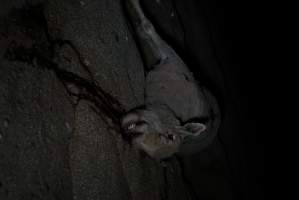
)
(68, 69)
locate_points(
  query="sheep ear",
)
(192, 129)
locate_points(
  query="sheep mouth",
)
(130, 126)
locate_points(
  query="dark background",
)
(222, 44)
(238, 41)
(237, 38)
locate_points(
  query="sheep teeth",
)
(131, 126)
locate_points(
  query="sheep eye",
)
(171, 137)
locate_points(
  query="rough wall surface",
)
(67, 71)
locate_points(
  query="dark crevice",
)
(61, 43)
(188, 184)
(181, 24)
(131, 86)
(102, 101)
(165, 183)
